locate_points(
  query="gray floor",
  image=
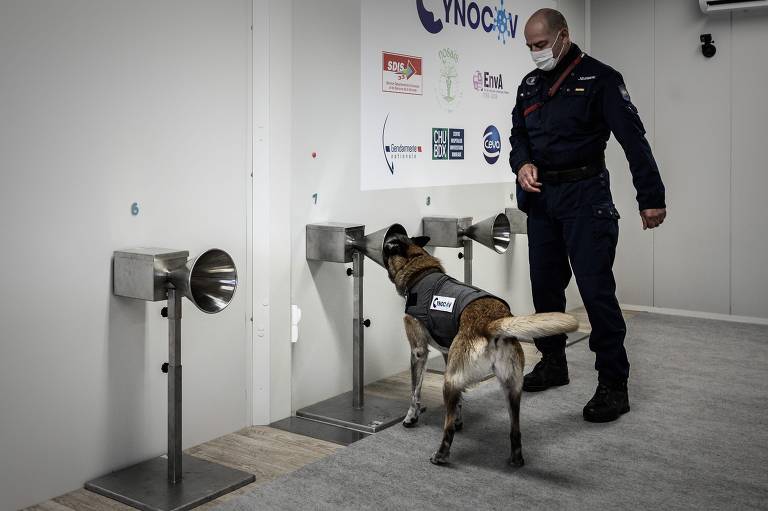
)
(696, 439)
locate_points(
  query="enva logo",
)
(470, 15)
(491, 144)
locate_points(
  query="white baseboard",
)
(695, 314)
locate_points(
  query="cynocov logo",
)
(470, 15)
(442, 303)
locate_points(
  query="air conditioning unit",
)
(715, 6)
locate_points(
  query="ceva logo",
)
(491, 144)
(470, 15)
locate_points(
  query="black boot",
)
(608, 403)
(551, 371)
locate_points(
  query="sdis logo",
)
(491, 144)
(401, 74)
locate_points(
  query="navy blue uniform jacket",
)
(573, 127)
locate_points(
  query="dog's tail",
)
(533, 326)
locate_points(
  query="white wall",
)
(326, 119)
(104, 104)
(706, 121)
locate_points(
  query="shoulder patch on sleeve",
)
(531, 80)
(624, 93)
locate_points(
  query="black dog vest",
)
(438, 300)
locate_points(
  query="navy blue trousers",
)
(578, 223)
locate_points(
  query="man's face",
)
(538, 36)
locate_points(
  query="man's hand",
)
(653, 217)
(528, 176)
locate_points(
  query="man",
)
(565, 112)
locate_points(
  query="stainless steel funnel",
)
(372, 245)
(493, 232)
(209, 281)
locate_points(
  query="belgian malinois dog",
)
(487, 340)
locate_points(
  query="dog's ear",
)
(420, 241)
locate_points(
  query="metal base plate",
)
(145, 485)
(319, 430)
(377, 414)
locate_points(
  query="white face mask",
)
(545, 59)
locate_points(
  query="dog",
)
(486, 338)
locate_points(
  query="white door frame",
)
(269, 221)
(258, 246)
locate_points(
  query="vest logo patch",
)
(442, 303)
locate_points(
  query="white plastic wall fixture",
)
(725, 6)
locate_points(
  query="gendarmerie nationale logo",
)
(396, 151)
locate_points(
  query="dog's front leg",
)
(418, 338)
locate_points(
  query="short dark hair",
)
(554, 19)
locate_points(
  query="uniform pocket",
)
(527, 97)
(608, 211)
(605, 224)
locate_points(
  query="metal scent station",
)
(345, 243)
(459, 232)
(177, 481)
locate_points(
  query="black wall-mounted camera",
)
(708, 46)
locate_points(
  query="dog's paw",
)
(410, 422)
(439, 459)
(516, 461)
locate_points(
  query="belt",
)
(572, 175)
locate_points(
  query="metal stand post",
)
(467, 244)
(174, 386)
(358, 335)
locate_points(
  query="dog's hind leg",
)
(459, 422)
(467, 364)
(508, 359)
(418, 338)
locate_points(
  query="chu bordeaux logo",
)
(447, 144)
(397, 151)
(491, 144)
(469, 15)
(401, 74)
